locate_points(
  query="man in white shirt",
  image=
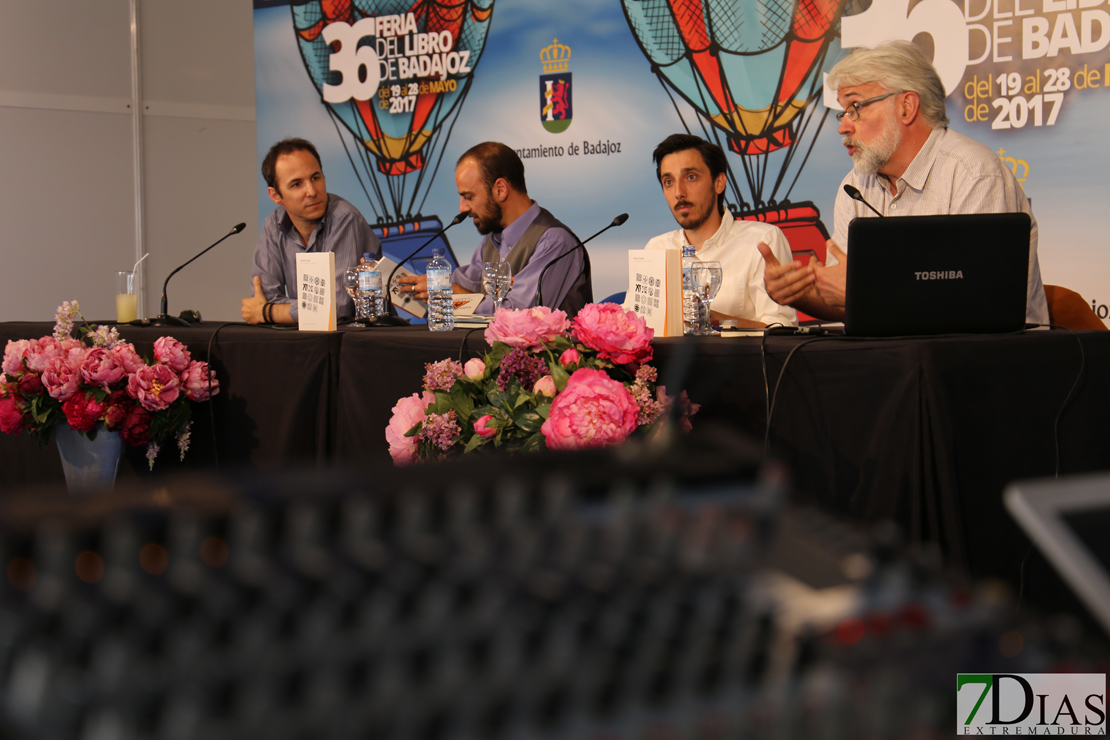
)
(692, 174)
(907, 163)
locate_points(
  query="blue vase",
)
(88, 464)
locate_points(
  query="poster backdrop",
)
(393, 91)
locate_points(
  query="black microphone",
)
(166, 320)
(580, 245)
(854, 193)
(390, 317)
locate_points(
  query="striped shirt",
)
(343, 231)
(951, 174)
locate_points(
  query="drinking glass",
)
(497, 281)
(126, 300)
(707, 281)
(350, 282)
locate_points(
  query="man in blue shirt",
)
(308, 219)
(490, 181)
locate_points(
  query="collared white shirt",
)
(742, 294)
(951, 174)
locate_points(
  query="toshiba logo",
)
(942, 275)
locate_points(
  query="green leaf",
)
(529, 422)
(560, 375)
(415, 429)
(473, 444)
(463, 404)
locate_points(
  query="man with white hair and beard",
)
(907, 163)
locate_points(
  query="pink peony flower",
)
(135, 429)
(527, 328)
(14, 353)
(475, 368)
(483, 429)
(406, 414)
(195, 381)
(569, 357)
(60, 378)
(172, 353)
(545, 386)
(11, 418)
(127, 356)
(614, 333)
(154, 386)
(40, 352)
(119, 405)
(30, 384)
(77, 413)
(102, 368)
(594, 410)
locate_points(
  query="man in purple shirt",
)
(308, 219)
(490, 180)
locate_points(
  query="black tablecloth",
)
(927, 431)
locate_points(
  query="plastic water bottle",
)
(441, 304)
(370, 286)
(691, 305)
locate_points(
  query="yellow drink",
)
(126, 307)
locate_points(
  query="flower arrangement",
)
(546, 381)
(100, 379)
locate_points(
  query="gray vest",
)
(581, 291)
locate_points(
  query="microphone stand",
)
(390, 317)
(580, 245)
(163, 318)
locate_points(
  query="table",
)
(927, 431)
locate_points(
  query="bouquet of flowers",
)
(547, 381)
(100, 379)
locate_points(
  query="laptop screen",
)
(964, 273)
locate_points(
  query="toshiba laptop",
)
(965, 273)
(1069, 520)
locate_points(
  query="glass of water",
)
(350, 282)
(707, 281)
(497, 281)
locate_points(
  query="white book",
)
(655, 289)
(316, 291)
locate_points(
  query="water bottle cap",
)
(368, 256)
(438, 252)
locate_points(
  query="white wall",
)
(67, 181)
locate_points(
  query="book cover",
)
(655, 289)
(316, 291)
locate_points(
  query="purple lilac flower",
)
(152, 451)
(440, 376)
(646, 374)
(523, 366)
(183, 437)
(105, 336)
(440, 430)
(64, 319)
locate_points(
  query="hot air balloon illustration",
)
(393, 75)
(751, 70)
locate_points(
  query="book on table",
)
(316, 291)
(655, 289)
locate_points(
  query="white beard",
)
(869, 159)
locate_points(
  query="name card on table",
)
(655, 289)
(316, 291)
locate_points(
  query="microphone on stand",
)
(163, 318)
(390, 317)
(854, 193)
(580, 245)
